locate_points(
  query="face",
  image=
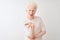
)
(31, 10)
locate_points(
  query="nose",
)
(31, 11)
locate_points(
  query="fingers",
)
(29, 24)
(31, 37)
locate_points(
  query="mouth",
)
(31, 14)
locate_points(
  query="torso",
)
(36, 22)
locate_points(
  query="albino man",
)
(34, 25)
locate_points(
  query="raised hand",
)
(29, 25)
(31, 37)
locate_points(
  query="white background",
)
(12, 13)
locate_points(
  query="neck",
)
(30, 17)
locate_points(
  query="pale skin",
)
(30, 15)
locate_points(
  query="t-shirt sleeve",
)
(42, 26)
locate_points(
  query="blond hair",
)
(32, 3)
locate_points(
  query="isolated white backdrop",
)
(12, 13)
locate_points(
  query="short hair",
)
(32, 3)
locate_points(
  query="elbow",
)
(44, 32)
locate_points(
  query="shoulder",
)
(38, 17)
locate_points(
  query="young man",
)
(34, 25)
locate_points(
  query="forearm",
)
(32, 35)
(40, 34)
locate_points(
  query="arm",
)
(32, 36)
(42, 31)
(40, 34)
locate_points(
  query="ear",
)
(26, 10)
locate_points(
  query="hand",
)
(32, 25)
(31, 37)
(29, 25)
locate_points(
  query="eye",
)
(29, 10)
(33, 10)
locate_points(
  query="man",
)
(34, 25)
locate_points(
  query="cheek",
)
(30, 12)
(33, 11)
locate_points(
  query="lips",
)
(31, 14)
